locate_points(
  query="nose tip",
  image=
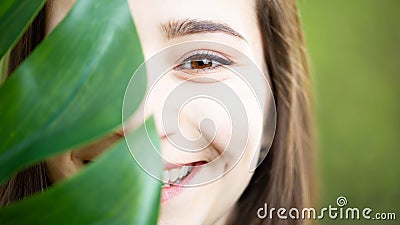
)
(139, 118)
(89, 153)
(120, 133)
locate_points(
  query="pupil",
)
(200, 64)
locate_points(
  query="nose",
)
(160, 85)
(89, 153)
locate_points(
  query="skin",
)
(210, 203)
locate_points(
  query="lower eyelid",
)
(202, 78)
(217, 74)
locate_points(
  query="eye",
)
(199, 64)
(203, 61)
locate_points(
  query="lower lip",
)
(170, 192)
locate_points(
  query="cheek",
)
(231, 122)
(56, 11)
(62, 167)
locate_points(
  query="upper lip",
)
(170, 166)
(166, 135)
(167, 165)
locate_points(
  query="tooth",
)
(181, 172)
(173, 174)
(185, 170)
(165, 176)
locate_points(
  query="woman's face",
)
(229, 37)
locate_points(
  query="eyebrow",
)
(180, 28)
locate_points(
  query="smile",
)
(174, 179)
(175, 176)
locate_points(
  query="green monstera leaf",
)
(68, 93)
(15, 16)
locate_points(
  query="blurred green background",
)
(354, 48)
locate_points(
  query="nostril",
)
(88, 154)
(85, 162)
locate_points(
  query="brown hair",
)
(34, 178)
(284, 179)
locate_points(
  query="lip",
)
(170, 166)
(169, 193)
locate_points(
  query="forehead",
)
(150, 15)
(220, 9)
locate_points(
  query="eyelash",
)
(208, 60)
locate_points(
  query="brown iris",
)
(200, 64)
